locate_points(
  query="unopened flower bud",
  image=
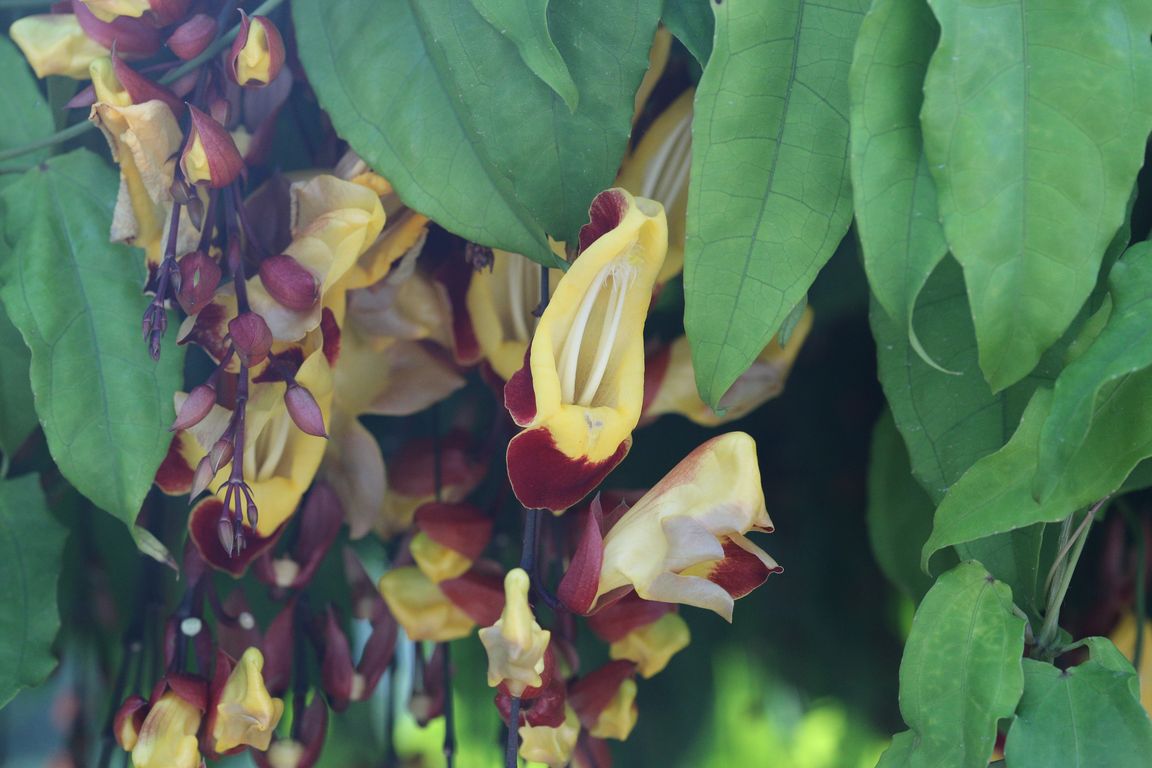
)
(193, 36)
(251, 337)
(210, 157)
(304, 410)
(289, 283)
(199, 278)
(201, 477)
(257, 52)
(220, 454)
(515, 643)
(253, 516)
(140, 89)
(226, 531)
(195, 407)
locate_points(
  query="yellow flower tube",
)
(580, 394)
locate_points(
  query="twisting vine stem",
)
(1060, 576)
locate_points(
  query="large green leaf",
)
(961, 670)
(17, 415)
(893, 192)
(769, 197)
(26, 113)
(440, 102)
(31, 545)
(899, 511)
(692, 23)
(1035, 120)
(948, 421)
(899, 752)
(1018, 557)
(995, 495)
(104, 405)
(1123, 346)
(525, 23)
(1088, 715)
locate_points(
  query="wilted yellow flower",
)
(168, 737)
(579, 397)
(515, 643)
(683, 541)
(421, 608)
(551, 745)
(55, 44)
(245, 713)
(653, 645)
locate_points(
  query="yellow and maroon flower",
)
(422, 608)
(670, 381)
(242, 712)
(580, 392)
(167, 736)
(515, 643)
(605, 700)
(56, 44)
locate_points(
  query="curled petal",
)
(56, 44)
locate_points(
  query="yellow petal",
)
(246, 714)
(548, 745)
(438, 562)
(55, 44)
(652, 646)
(421, 608)
(515, 643)
(500, 303)
(168, 737)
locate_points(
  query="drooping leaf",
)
(893, 192)
(692, 23)
(26, 113)
(1123, 346)
(449, 112)
(525, 23)
(31, 545)
(961, 670)
(1087, 715)
(104, 405)
(948, 421)
(1035, 120)
(995, 495)
(769, 198)
(899, 511)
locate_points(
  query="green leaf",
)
(691, 22)
(1035, 121)
(31, 545)
(899, 752)
(525, 23)
(1018, 558)
(26, 113)
(948, 421)
(995, 495)
(104, 405)
(769, 198)
(1087, 715)
(438, 101)
(17, 415)
(899, 511)
(1123, 346)
(961, 669)
(893, 192)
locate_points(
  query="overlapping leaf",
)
(893, 192)
(31, 546)
(960, 672)
(103, 404)
(525, 23)
(438, 100)
(769, 198)
(26, 114)
(692, 23)
(1086, 715)
(1123, 347)
(1035, 120)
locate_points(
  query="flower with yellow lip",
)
(683, 541)
(257, 52)
(579, 395)
(500, 303)
(651, 646)
(167, 738)
(56, 44)
(658, 169)
(670, 381)
(605, 700)
(515, 643)
(550, 745)
(243, 713)
(421, 608)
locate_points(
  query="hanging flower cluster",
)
(368, 378)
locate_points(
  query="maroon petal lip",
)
(543, 477)
(458, 526)
(174, 477)
(626, 615)
(519, 396)
(479, 593)
(604, 215)
(740, 571)
(132, 38)
(202, 528)
(592, 694)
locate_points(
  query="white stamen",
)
(622, 277)
(678, 147)
(570, 353)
